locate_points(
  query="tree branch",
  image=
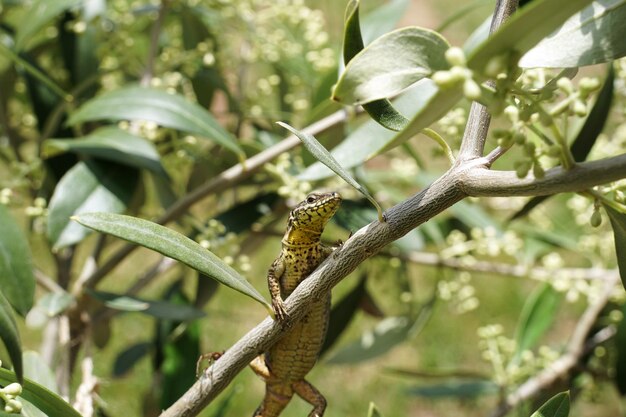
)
(501, 268)
(475, 136)
(489, 183)
(365, 243)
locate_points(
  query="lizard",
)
(284, 365)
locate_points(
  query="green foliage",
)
(171, 244)
(115, 112)
(557, 406)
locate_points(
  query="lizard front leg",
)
(273, 281)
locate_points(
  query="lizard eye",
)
(310, 199)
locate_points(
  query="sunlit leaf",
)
(536, 317)
(390, 64)
(41, 397)
(113, 144)
(514, 36)
(159, 309)
(172, 244)
(55, 303)
(17, 281)
(373, 411)
(36, 369)
(89, 186)
(557, 406)
(594, 35)
(40, 14)
(168, 110)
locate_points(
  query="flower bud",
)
(580, 109)
(538, 171)
(565, 84)
(522, 168)
(455, 56)
(471, 89)
(495, 66)
(14, 389)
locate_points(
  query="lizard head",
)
(314, 212)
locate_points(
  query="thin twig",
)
(148, 72)
(563, 366)
(501, 268)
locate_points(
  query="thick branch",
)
(365, 243)
(489, 183)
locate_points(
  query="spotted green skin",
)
(286, 364)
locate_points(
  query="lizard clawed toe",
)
(280, 313)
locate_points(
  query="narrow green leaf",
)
(159, 309)
(17, 281)
(10, 335)
(55, 303)
(456, 389)
(380, 110)
(618, 222)
(620, 358)
(222, 408)
(342, 313)
(373, 411)
(36, 369)
(322, 155)
(113, 144)
(41, 397)
(171, 244)
(536, 317)
(168, 110)
(129, 357)
(514, 36)
(594, 35)
(390, 64)
(557, 406)
(87, 187)
(386, 335)
(40, 14)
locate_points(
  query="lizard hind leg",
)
(311, 395)
(277, 396)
